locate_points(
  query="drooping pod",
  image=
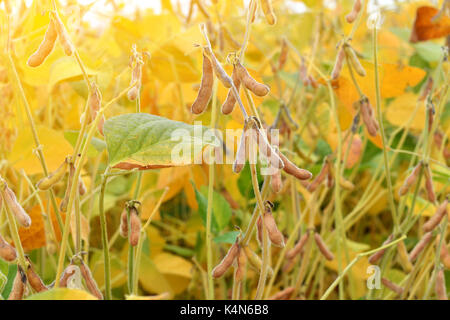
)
(259, 89)
(321, 245)
(351, 17)
(255, 261)
(392, 286)
(89, 280)
(7, 251)
(266, 6)
(34, 279)
(441, 291)
(124, 224)
(437, 217)
(275, 236)
(403, 257)
(63, 36)
(340, 58)
(410, 180)
(291, 169)
(136, 63)
(297, 249)
(94, 101)
(230, 101)
(67, 274)
(241, 262)
(283, 294)
(218, 69)
(275, 181)
(19, 213)
(81, 187)
(283, 54)
(54, 177)
(368, 117)
(46, 46)
(420, 246)
(354, 61)
(265, 147)
(320, 177)
(241, 155)
(19, 284)
(135, 226)
(373, 259)
(65, 202)
(226, 262)
(429, 185)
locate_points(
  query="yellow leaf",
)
(62, 294)
(401, 109)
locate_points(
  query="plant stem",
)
(104, 231)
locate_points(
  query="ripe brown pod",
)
(293, 170)
(46, 46)
(204, 94)
(226, 262)
(275, 236)
(441, 291)
(65, 202)
(250, 83)
(18, 287)
(266, 6)
(410, 180)
(7, 251)
(135, 227)
(275, 181)
(67, 274)
(56, 176)
(124, 224)
(283, 294)
(323, 247)
(283, 54)
(437, 217)
(297, 249)
(89, 280)
(230, 101)
(241, 156)
(445, 256)
(356, 64)
(266, 149)
(429, 185)
(392, 286)
(11, 201)
(351, 17)
(420, 246)
(368, 117)
(320, 177)
(373, 259)
(34, 279)
(136, 75)
(241, 262)
(63, 36)
(94, 101)
(218, 70)
(340, 58)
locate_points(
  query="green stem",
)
(104, 231)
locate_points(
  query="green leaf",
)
(229, 237)
(96, 145)
(12, 271)
(221, 208)
(202, 210)
(429, 51)
(184, 252)
(62, 294)
(147, 140)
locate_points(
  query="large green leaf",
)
(145, 140)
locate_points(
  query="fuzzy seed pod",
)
(67, 274)
(94, 101)
(392, 286)
(267, 150)
(135, 227)
(34, 279)
(275, 181)
(297, 249)
(230, 101)
(283, 54)
(255, 261)
(241, 156)
(368, 117)
(65, 202)
(441, 291)
(266, 6)
(64, 38)
(437, 217)
(226, 262)
(373, 259)
(124, 224)
(218, 69)
(89, 280)
(53, 178)
(7, 251)
(136, 78)
(429, 185)
(46, 46)
(251, 84)
(420, 246)
(241, 262)
(289, 265)
(275, 236)
(340, 58)
(320, 177)
(19, 284)
(293, 170)
(403, 257)
(11, 201)
(356, 64)
(323, 247)
(351, 17)
(410, 180)
(283, 294)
